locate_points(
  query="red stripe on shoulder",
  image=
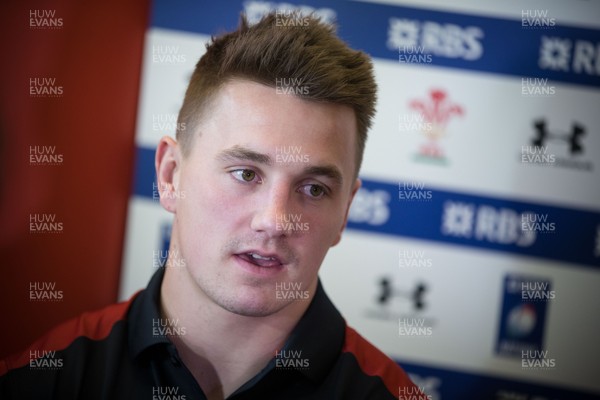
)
(95, 325)
(374, 363)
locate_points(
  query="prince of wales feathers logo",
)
(437, 111)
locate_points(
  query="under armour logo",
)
(573, 138)
(388, 292)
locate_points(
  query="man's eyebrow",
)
(239, 153)
(329, 171)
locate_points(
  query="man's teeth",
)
(259, 257)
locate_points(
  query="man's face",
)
(268, 183)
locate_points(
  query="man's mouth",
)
(261, 260)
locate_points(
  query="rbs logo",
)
(444, 40)
(485, 223)
(563, 54)
(370, 207)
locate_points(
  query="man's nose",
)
(273, 210)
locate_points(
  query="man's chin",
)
(252, 310)
(252, 302)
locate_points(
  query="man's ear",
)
(167, 163)
(355, 187)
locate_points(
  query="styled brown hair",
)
(283, 48)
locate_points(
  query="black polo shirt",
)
(120, 352)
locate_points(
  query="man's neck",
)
(221, 349)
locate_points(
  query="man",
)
(260, 180)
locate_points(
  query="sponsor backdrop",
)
(472, 250)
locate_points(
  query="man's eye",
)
(312, 190)
(246, 175)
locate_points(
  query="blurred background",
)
(473, 247)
